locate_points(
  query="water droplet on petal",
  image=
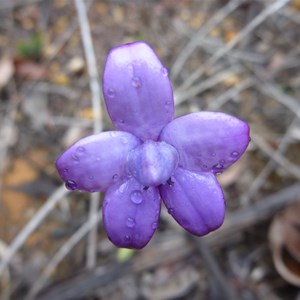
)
(75, 158)
(218, 166)
(171, 210)
(136, 82)
(213, 154)
(222, 161)
(124, 140)
(136, 197)
(71, 185)
(111, 93)
(154, 225)
(127, 238)
(167, 105)
(98, 158)
(164, 71)
(91, 177)
(80, 149)
(234, 154)
(113, 134)
(130, 222)
(130, 69)
(115, 177)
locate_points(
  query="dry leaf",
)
(296, 4)
(60, 79)
(76, 65)
(284, 238)
(30, 70)
(6, 71)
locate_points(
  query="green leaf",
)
(32, 48)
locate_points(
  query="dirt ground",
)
(239, 57)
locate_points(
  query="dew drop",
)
(111, 93)
(154, 225)
(136, 197)
(234, 154)
(167, 105)
(218, 166)
(75, 158)
(71, 185)
(130, 69)
(127, 238)
(222, 161)
(113, 134)
(91, 177)
(115, 177)
(80, 149)
(130, 222)
(124, 140)
(136, 82)
(171, 210)
(164, 71)
(98, 158)
(213, 154)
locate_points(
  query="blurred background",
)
(238, 57)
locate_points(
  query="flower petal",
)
(152, 163)
(137, 90)
(131, 214)
(195, 200)
(96, 162)
(207, 141)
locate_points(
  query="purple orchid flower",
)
(152, 156)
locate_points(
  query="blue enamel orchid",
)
(153, 157)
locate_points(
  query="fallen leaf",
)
(230, 35)
(232, 80)
(295, 4)
(7, 70)
(284, 236)
(30, 70)
(76, 65)
(61, 79)
(86, 113)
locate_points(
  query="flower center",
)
(152, 163)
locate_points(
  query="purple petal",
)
(152, 163)
(96, 162)
(207, 141)
(131, 214)
(137, 90)
(195, 200)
